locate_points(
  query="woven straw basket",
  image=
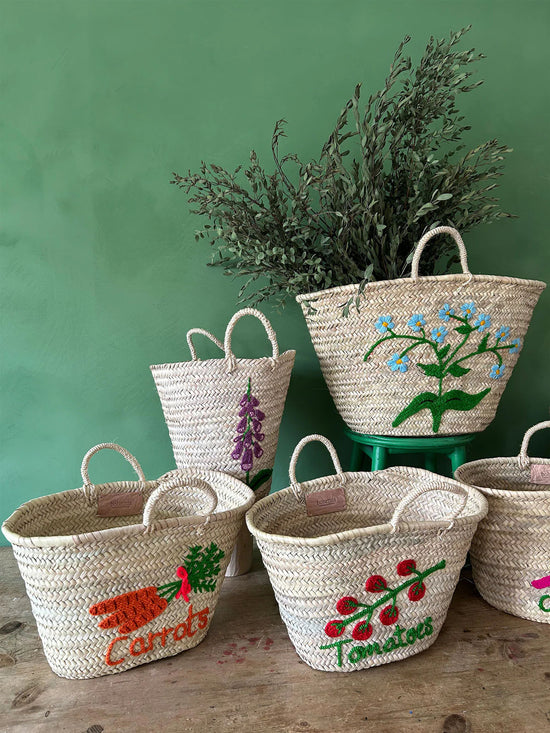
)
(113, 585)
(369, 579)
(511, 550)
(224, 414)
(421, 355)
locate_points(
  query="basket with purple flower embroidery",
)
(422, 355)
(224, 414)
(364, 565)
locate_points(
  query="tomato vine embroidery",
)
(449, 360)
(362, 613)
(129, 611)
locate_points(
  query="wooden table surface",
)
(487, 672)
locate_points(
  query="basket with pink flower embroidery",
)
(364, 565)
(224, 414)
(511, 549)
(423, 355)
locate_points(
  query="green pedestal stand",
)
(378, 447)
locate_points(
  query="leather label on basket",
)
(540, 473)
(325, 502)
(120, 505)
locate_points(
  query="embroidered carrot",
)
(129, 611)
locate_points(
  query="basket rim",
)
(351, 534)
(103, 535)
(522, 494)
(538, 285)
(285, 356)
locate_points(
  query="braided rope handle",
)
(272, 336)
(113, 446)
(426, 238)
(178, 485)
(208, 335)
(523, 458)
(296, 454)
(419, 491)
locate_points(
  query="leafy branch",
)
(326, 222)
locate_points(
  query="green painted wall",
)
(100, 274)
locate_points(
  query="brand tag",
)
(325, 502)
(540, 473)
(120, 505)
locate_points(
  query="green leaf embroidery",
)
(464, 330)
(442, 353)
(455, 399)
(455, 370)
(482, 346)
(203, 565)
(260, 478)
(431, 370)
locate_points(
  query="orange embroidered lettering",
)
(143, 648)
(165, 632)
(110, 649)
(183, 628)
(203, 618)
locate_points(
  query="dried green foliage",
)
(314, 225)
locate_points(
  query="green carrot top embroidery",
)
(448, 361)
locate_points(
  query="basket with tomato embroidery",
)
(124, 573)
(364, 565)
(511, 549)
(224, 414)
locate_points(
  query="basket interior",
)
(70, 513)
(501, 474)
(369, 503)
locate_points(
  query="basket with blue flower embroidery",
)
(423, 355)
(123, 573)
(511, 549)
(364, 565)
(224, 414)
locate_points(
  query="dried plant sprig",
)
(327, 222)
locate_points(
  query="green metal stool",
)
(378, 447)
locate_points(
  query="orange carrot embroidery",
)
(129, 611)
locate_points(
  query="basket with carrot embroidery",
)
(127, 572)
(421, 356)
(364, 565)
(224, 414)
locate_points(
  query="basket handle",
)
(523, 458)
(229, 332)
(296, 454)
(209, 335)
(113, 446)
(419, 491)
(426, 238)
(178, 484)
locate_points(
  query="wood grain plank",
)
(487, 672)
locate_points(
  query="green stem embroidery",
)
(419, 340)
(447, 362)
(418, 577)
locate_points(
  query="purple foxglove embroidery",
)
(248, 439)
